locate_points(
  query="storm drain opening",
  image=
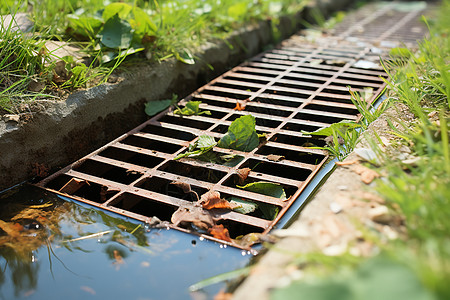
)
(224, 192)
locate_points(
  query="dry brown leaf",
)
(273, 157)
(192, 213)
(240, 105)
(211, 199)
(243, 174)
(220, 232)
(72, 186)
(186, 187)
(223, 296)
(248, 239)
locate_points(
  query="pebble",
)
(342, 187)
(380, 214)
(335, 250)
(335, 207)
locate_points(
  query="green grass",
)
(110, 31)
(21, 61)
(419, 190)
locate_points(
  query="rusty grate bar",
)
(385, 24)
(300, 85)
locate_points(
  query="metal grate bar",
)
(299, 86)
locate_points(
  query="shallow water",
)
(43, 257)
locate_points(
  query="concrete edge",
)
(65, 131)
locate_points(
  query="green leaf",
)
(185, 56)
(109, 56)
(398, 51)
(243, 207)
(204, 144)
(116, 33)
(142, 22)
(269, 211)
(191, 108)
(241, 135)
(342, 126)
(118, 8)
(265, 188)
(237, 10)
(85, 25)
(206, 141)
(154, 107)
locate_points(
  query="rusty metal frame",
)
(299, 85)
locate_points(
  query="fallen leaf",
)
(248, 239)
(36, 86)
(242, 206)
(243, 174)
(223, 296)
(315, 62)
(72, 186)
(211, 199)
(273, 157)
(186, 187)
(192, 213)
(220, 232)
(336, 62)
(240, 105)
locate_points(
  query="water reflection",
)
(49, 247)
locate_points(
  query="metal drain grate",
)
(385, 24)
(298, 86)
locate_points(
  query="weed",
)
(418, 187)
(22, 59)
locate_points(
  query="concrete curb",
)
(67, 130)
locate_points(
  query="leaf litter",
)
(212, 199)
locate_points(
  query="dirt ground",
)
(336, 220)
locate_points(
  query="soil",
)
(338, 217)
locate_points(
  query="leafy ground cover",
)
(106, 33)
(415, 186)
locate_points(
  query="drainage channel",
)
(302, 85)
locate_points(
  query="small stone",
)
(404, 149)
(380, 214)
(335, 207)
(11, 118)
(20, 21)
(342, 187)
(335, 250)
(389, 232)
(432, 114)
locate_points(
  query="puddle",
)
(52, 248)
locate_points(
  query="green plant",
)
(22, 59)
(341, 138)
